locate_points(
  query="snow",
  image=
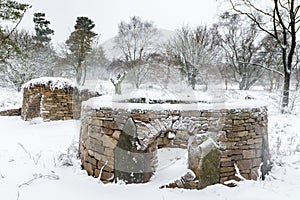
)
(32, 167)
(117, 102)
(53, 82)
(9, 99)
(171, 135)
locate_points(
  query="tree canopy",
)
(80, 45)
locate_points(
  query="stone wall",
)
(52, 99)
(50, 104)
(241, 135)
(11, 112)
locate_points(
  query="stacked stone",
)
(99, 136)
(31, 103)
(241, 134)
(57, 104)
(245, 138)
(11, 112)
(41, 101)
(53, 104)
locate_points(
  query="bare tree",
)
(240, 44)
(280, 19)
(194, 51)
(297, 68)
(134, 40)
(271, 57)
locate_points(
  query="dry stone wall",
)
(52, 99)
(11, 112)
(240, 134)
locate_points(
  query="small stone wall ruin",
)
(52, 98)
(118, 143)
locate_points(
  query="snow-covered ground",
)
(34, 157)
(9, 98)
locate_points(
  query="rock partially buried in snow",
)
(204, 160)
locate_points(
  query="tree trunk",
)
(286, 91)
(84, 75)
(243, 83)
(271, 82)
(78, 74)
(117, 83)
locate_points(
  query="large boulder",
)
(132, 164)
(204, 160)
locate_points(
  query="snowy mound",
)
(52, 82)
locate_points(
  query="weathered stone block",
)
(95, 145)
(257, 162)
(104, 175)
(254, 173)
(92, 161)
(109, 141)
(247, 154)
(89, 168)
(226, 164)
(204, 160)
(116, 134)
(104, 166)
(237, 122)
(226, 169)
(131, 164)
(244, 164)
(106, 131)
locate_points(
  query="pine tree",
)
(10, 11)
(80, 45)
(43, 50)
(42, 30)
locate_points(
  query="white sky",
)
(107, 14)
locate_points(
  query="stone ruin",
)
(52, 98)
(121, 144)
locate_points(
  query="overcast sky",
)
(107, 14)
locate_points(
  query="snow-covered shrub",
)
(284, 141)
(9, 98)
(294, 106)
(69, 157)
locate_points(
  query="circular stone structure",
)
(50, 98)
(119, 140)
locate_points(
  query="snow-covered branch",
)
(264, 67)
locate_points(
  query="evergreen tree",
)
(42, 30)
(43, 50)
(10, 11)
(80, 45)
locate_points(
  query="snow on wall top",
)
(107, 101)
(52, 82)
